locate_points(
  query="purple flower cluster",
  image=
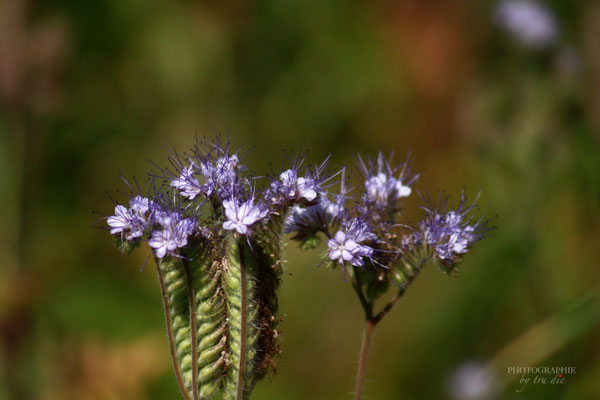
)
(346, 245)
(291, 187)
(205, 195)
(213, 176)
(131, 222)
(241, 216)
(167, 229)
(173, 234)
(384, 183)
(367, 232)
(361, 231)
(450, 233)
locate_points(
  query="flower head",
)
(343, 248)
(450, 233)
(187, 184)
(132, 221)
(347, 244)
(173, 235)
(241, 216)
(293, 188)
(384, 183)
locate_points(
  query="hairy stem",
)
(389, 306)
(357, 285)
(243, 328)
(170, 333)
(364, 355)
(193, 331)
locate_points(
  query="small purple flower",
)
(360, 231)
(226, 169)
(334, 209)
(174, 235)
(343, 248)
(380, 187)
(381, 184)
(120, 221)
(241, 216)
(450, 233)
(346, 245)
(162, 242)
(291, 187)
(188, 186)
(140, 205)
(221, 177)
(132, 221)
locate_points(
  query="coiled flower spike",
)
(217, 246)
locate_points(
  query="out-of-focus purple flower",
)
(380, 187)
(472, 381)
(530, 22)
(174, 235)
(381, 184)
(187, 184)
(132, 221)
(450, 233)
(242, 216)
(306, 221)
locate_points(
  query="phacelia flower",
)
(291, 187)
(381, 184)
(222, 177)
(187, 184)
(450, 233)
(132, 221)
(120, 221)
(241, 216)
(343, 248)
(174, 235)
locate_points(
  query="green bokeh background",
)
(90, 89)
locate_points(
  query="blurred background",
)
(497, 96)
